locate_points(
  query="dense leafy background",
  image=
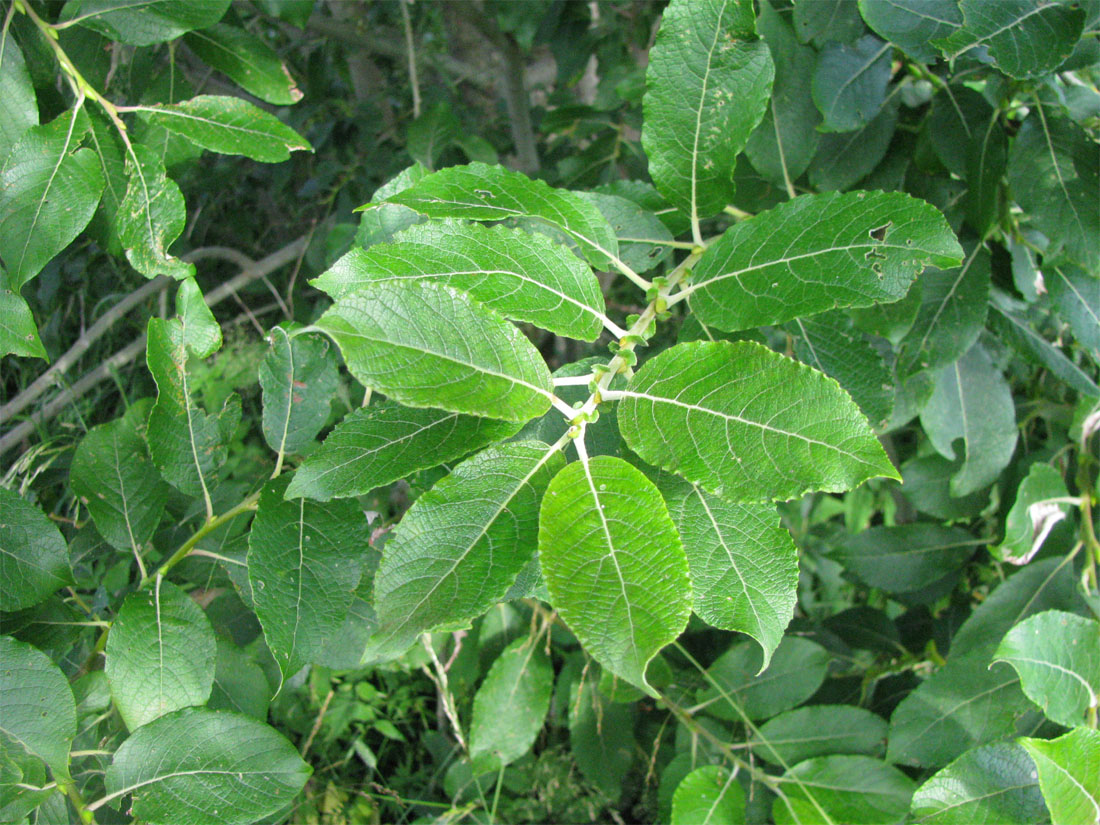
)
(549, 411)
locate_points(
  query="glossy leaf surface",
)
(850, 789)
(248, 60)
(820, 730)
(146, 22)
(710, 795)
(1069, 774)
(716, 413)
(151, 216)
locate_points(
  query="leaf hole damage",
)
(879, 232)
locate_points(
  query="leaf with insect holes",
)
(818, 252)
(707, 85)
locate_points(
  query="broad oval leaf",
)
(228, 125)
(18, 103)
(743, 563)
(429, 345)
(461, 545)
(905, 557)
(239, 683)
(961, 706)
(1069, 774)
(708, 82)
(1054, 175)
(37, 709)
(113, 473)
(990, 785)
(378, 445)
(710, 795)
(1024, 38)
(1055, 654)
(510, 706)
(972, 401)
(820, 730)
(1076, 296)
(818, 252)
(1033, 514)
(522, 275)
(18, 331)
(953, 307)
(248, 60)
(912, 24)
(34, 559)
(146, 22)
(479, 192)
(151, 216)
(186, 444)
(795, 672)
(748, 424)
(298, 377)
(849, 82)
(613, 564)
(49, 190)
(160, 654)
(304, 563)
(855, 790)
(198, 766)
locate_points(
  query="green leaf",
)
(613, 564)
(37, 710)
(794, 674)
(198, 766)
(1076, 297)
(1055, 654)
(298, 377)
(429, 345)
(842, 159)
(431, 133)
(239, 683)
(511, 705)
(958, 116)
(781, 147)
(849, 83)
(719, 412)
(906, 557)
(1014, 329)
(113, 474)
(1024, 39)
(160, 654)
(815, 253)
(820, 730)
(972, 401)
(479, 192)
(227, 125)
(151, 216)
(18, 332)
(601, 737)
(247, 60)
(34, 559)
(822, 21)
(103, 138)
(1043, 585)
(303, 566)
(186, 444)
(633, 224)
(710, 795)
(855, 790)
(1069, 774)
(380, 444)
(18, 103)
(991, 785)
(708, 83)
(926, 483)
(1033, 514)
(523, 276)
(830, 343)
(912, 24)
(743, 564)
(49, 191)
(23, 782)
(952, 313)
(144, 22)
(961, 706)
(202, 335)
(1054, 175)
(461, 545)
(986, 161)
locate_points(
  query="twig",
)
(124, 356)
(317, 722)
(411, 50)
